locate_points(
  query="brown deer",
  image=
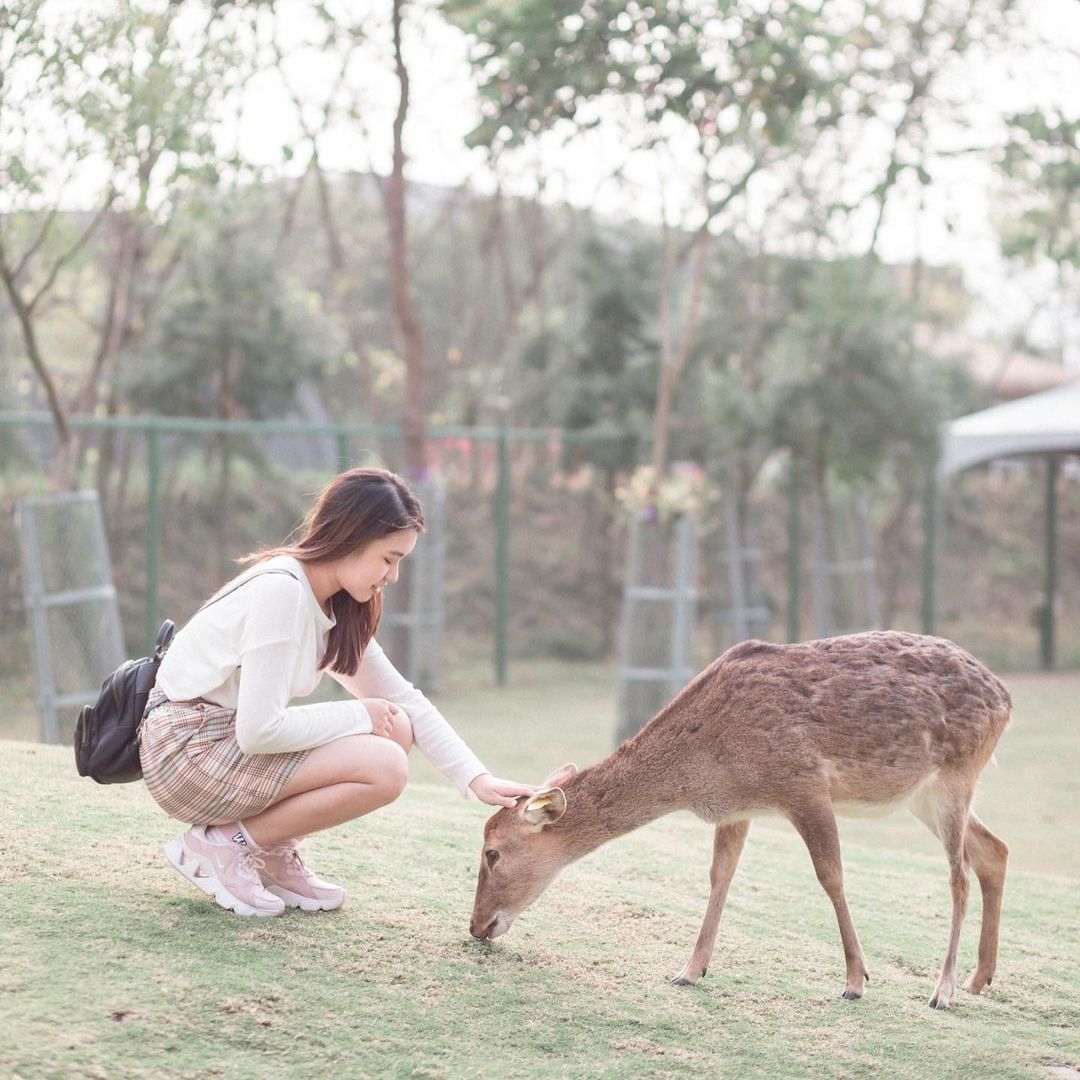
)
(855, 724)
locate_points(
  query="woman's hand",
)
(495, 792)
(382, 713)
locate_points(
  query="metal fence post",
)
(342, 442)
(819, 585)
(794, 538)
(929, 523)
(153, 530)
(502, 557)
(1046, 622)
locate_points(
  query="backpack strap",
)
(165, 634)
(250, 577)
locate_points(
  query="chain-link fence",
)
(519, 561)
(659, 608)
(533, 556)
(70, 600)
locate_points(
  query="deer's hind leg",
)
(727, 847)
(944, 807)
(988, 855)
(816, 824)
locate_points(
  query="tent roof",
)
(1037, 424)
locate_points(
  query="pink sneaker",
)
(224, 870)
(284, 874)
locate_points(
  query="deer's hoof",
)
(680, 981)
(851, 995)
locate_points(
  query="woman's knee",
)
(390, 773)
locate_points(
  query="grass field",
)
(116, 967)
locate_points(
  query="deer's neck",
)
(632, 787)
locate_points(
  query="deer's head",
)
(521, 856)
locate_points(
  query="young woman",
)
(222, 747)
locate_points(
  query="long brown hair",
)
(354, 509)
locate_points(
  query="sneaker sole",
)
(175, 852)
(304, 903)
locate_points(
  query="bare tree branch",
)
(29, 253)
(37, 361)
(72, 251)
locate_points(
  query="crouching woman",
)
(221, 746)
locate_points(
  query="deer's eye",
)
(492, 856)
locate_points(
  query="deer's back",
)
(872, 715)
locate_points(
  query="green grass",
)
(116, 967)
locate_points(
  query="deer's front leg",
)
(816, 823)
(727, 847)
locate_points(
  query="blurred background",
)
(677, 315)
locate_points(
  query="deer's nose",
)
(485, 933)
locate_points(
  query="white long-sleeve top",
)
(258, 648)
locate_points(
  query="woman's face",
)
(368, 571)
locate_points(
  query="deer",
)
(855, 725)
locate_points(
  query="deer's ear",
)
(546, 806)
(560, 776)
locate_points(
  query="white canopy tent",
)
(1045, 424)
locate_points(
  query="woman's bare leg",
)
(342, 780)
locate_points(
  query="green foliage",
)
(112, 107)
(611, 385)
(752, 299)
(534, 314)
(126, 93)
(732, 71)
(1042, 163)
(848, 386)
(235, 337)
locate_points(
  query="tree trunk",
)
(226, 410)
(409, 331)
(662, 416)
(673, 357)
(62, 468)
(116, 335)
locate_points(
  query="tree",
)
(30, 239)
(709, 95)
(347, 43)
(234, 338)
(1041, 164)
(338, 41)
(126, 98)
(843, 375)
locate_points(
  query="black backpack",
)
(107, 732)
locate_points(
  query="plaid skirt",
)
(195, 770)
